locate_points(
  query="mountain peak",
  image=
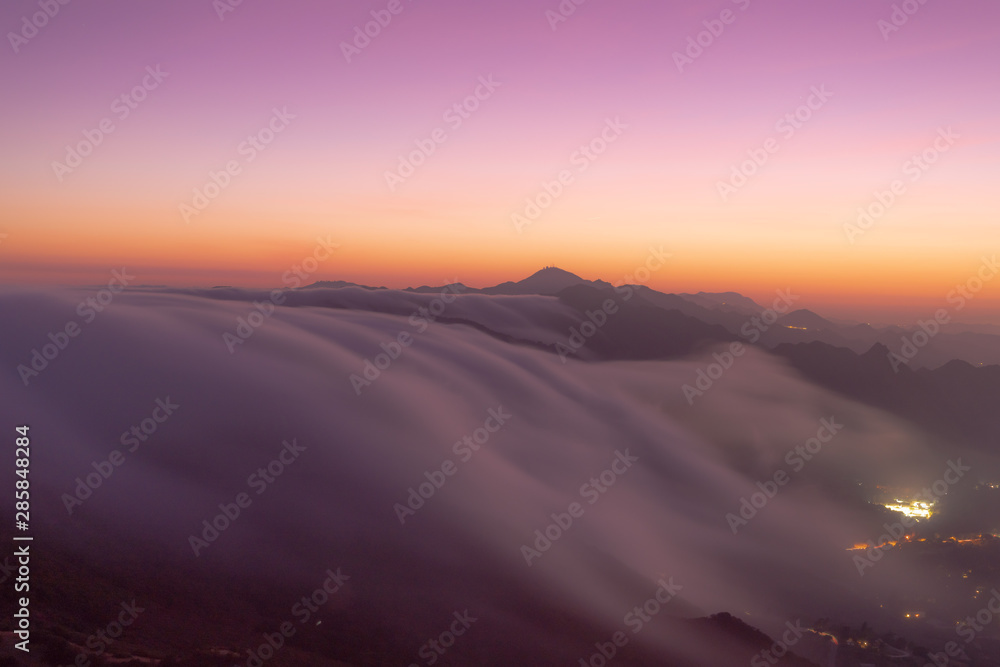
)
(878, 349)
(549, 281)
(554, 272)
(805, 319)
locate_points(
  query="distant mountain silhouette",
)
(731, 301)
(978, 344)
(639, 329)
(549, 281)
(806, 319)
(337, 284)
(456, 288)
(957, 400)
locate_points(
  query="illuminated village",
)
(968, 562)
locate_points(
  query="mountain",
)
(549, 281)
(639, 329)
(546, 282)
(727, 301)
(978, 345)
(457, 288)
(336, 284)
(955, 401)
(806, 319)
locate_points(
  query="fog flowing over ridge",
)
(366, 444)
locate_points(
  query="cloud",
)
(666, 517)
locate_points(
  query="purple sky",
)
(659, 182)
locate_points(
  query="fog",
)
(366, 445)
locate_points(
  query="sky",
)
(741, 136)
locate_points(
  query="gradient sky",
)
(324, 174)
